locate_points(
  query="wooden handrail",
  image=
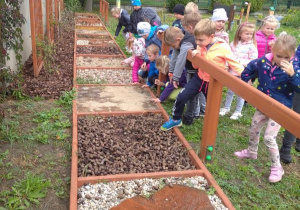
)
(286, 117)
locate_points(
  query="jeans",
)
(239, 103)
(192, 103)
(201, 104)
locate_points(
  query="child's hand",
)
(145, 86)
(287, 67)
(159, 32)
(135, 83)
(144, 66)
(175, 83)
(250, 82)
(271, 43)
(195, 52)
(155, 100)
(123, 63)
(158, 82)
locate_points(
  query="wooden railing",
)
(286, 117)
(103, 8)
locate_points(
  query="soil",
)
(93, 36)
(128, 144)
(175, 197)
(51, 85)
(104, 76)
(92, 32)
(104, 50)
(113, 98)
(93, 41)
(100, 62)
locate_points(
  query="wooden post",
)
(241, 16)
(248, 11)
(165, 50)
(211, 118)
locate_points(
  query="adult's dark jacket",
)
(124, 20)
(144, 14)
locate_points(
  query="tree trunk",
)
(88, 5)
(289, 2)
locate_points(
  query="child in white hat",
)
(220, 18)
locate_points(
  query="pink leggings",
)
(258, 121)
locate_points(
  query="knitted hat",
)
(143, 28)
(138, 47)
(136, 3)
(219, 14)
(179, 9)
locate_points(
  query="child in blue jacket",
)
(279, 80)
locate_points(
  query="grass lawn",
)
(245, 182)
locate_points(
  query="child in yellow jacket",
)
(213, 49)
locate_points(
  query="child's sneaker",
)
(236, 116)
(224, 111)
(171, 124)
(246, 154)
(276, 174)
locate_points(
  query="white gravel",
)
(107, 195)
(103, 76)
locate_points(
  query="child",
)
(129, 44)
(189, 22)
(213, 49)
(191, 7)
(162, 64)
(244, 48)
(181, 44)
(178, 13)
(289, 139)
(220, 18)
(141, 15)
(265, 36)
(277, 79)
(139, 50)
(152, 53)
(149, 33)
(124, 20)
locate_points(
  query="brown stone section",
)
(177, 197)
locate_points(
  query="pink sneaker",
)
(246, 154)
(276, 174)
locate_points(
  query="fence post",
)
(211, 118)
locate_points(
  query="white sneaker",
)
(236, 116)
(223, 111)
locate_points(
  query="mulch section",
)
(50, 85)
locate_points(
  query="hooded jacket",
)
(263, 41)
(220, 54)
(273, 81)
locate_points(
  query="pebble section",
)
(103, 76)
(107, 195)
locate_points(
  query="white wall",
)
(26, 30)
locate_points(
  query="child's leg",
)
(239, 104)
(229, 98)
(202, 101)
(191, 104)
(258, 121)
(189, 91)
(270, 141)
(197, 108)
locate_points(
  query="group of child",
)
(252, 55)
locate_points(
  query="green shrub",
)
(171, 3)
(73, 5)
(223, 2)
(256, 5)
(292, 19)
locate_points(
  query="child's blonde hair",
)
(162, 63)
(269, 19)
(243, 27)
(129, 42)
(205, 27)
(191, 19)
(115, 10)
(191, 7)
(154, 49)
(286, 44)
(171, 34)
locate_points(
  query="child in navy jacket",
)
(124, 20)
(277, 79)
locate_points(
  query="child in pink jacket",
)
(265, 36)
(139, 50)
